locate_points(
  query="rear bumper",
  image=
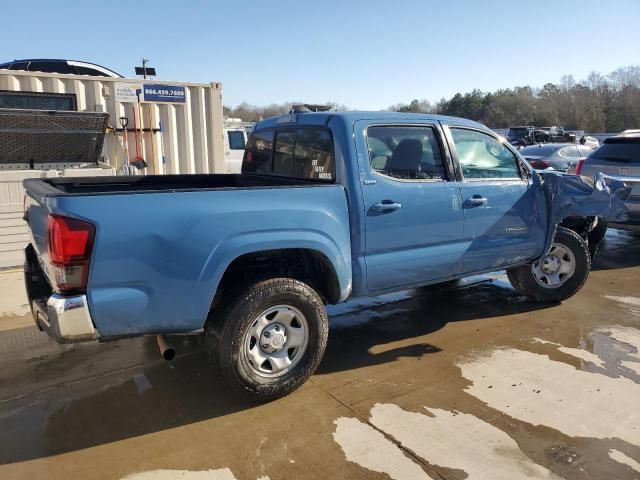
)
(65, 318)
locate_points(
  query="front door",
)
(504, 218)
(414, 218)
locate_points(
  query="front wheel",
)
(269, 338)
(559, 274)
(596, 235)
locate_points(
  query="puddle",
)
(633, 302)
(575, 352)
(220, 474)
(458, 441)
(535, 389)
(620, 457)
(366, 446)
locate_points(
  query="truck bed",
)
(83, 186)
(163, 243)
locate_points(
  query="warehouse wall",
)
(193, 136)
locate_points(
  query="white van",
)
(235, 139)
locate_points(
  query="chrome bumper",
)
(65, 319)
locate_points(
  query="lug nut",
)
(277, 328)
(265, 346)
(267, 334)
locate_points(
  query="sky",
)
(364, 54)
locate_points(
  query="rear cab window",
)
(303, 153)
(258, 154)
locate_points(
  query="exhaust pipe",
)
(167, 351)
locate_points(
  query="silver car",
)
(555, 156)
(618, 157)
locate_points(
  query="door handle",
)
(475, 201)
(386, 206)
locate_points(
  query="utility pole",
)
(144, 70)
(144, 67)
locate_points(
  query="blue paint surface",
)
(159, 257)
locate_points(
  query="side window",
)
(19, 66)
(408, 153)
(80, 70)
(482, 156)
(257, 155)
(584, 150)
(236, 140)
(50, 67)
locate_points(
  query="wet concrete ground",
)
(472, 382)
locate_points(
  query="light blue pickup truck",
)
(328, 206)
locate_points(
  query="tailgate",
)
(37, 208)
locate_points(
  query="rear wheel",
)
(268, 339)
(559, 274)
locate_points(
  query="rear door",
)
(503, 221)
(413, 213)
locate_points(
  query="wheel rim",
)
(555, 268)
(276, 341)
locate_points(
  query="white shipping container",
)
(192, 131)
(192, 138)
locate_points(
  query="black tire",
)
(600, 230)
(523, 280)
(227, 325)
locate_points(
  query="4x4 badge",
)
(623, 171)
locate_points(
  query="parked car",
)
(235, 140)
(555, 156)
(618, 157)
(48, 65)
(589, 141)
(329, 206)
(521, 136)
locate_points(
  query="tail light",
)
(69, 243)
(540, 164)
(579, 167)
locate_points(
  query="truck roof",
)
(321, 118)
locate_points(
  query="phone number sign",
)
(163, 93)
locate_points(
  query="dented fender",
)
(576, 196)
